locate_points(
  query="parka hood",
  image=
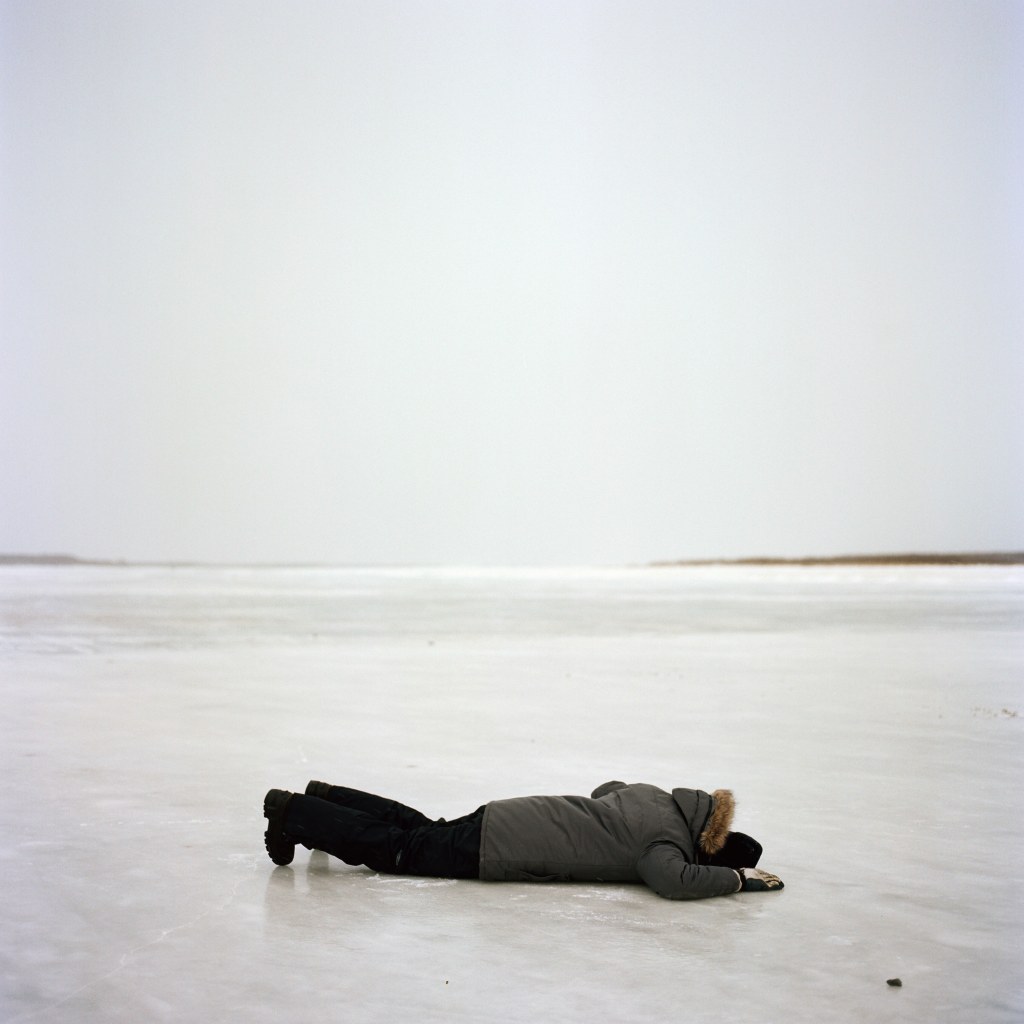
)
(709, 816)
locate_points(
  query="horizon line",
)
(897, 558)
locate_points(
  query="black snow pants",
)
(386, 836)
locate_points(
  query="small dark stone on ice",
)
(894, 983)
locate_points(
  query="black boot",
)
(280, 846)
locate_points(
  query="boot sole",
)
(280, 848)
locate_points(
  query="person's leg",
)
(433, 850)
(447, 850)
(344, 832)
(377, 807)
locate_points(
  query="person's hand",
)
(755, 880)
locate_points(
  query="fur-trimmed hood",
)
(719, 822)
(709, 816)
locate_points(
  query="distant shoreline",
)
(55, 560)
(959, 558)
(963, 558)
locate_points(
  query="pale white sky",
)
(523, 282)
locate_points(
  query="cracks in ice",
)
(127, 957)
(611, 894)
(392, 881)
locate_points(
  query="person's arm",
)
(664, 869)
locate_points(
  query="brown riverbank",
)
(914, 558)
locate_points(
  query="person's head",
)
(739, 851)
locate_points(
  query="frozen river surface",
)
(870, 722)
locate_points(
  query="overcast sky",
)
(510, 282)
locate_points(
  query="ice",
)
(870, 722)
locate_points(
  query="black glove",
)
(755, 880)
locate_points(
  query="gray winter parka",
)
(621, 833)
